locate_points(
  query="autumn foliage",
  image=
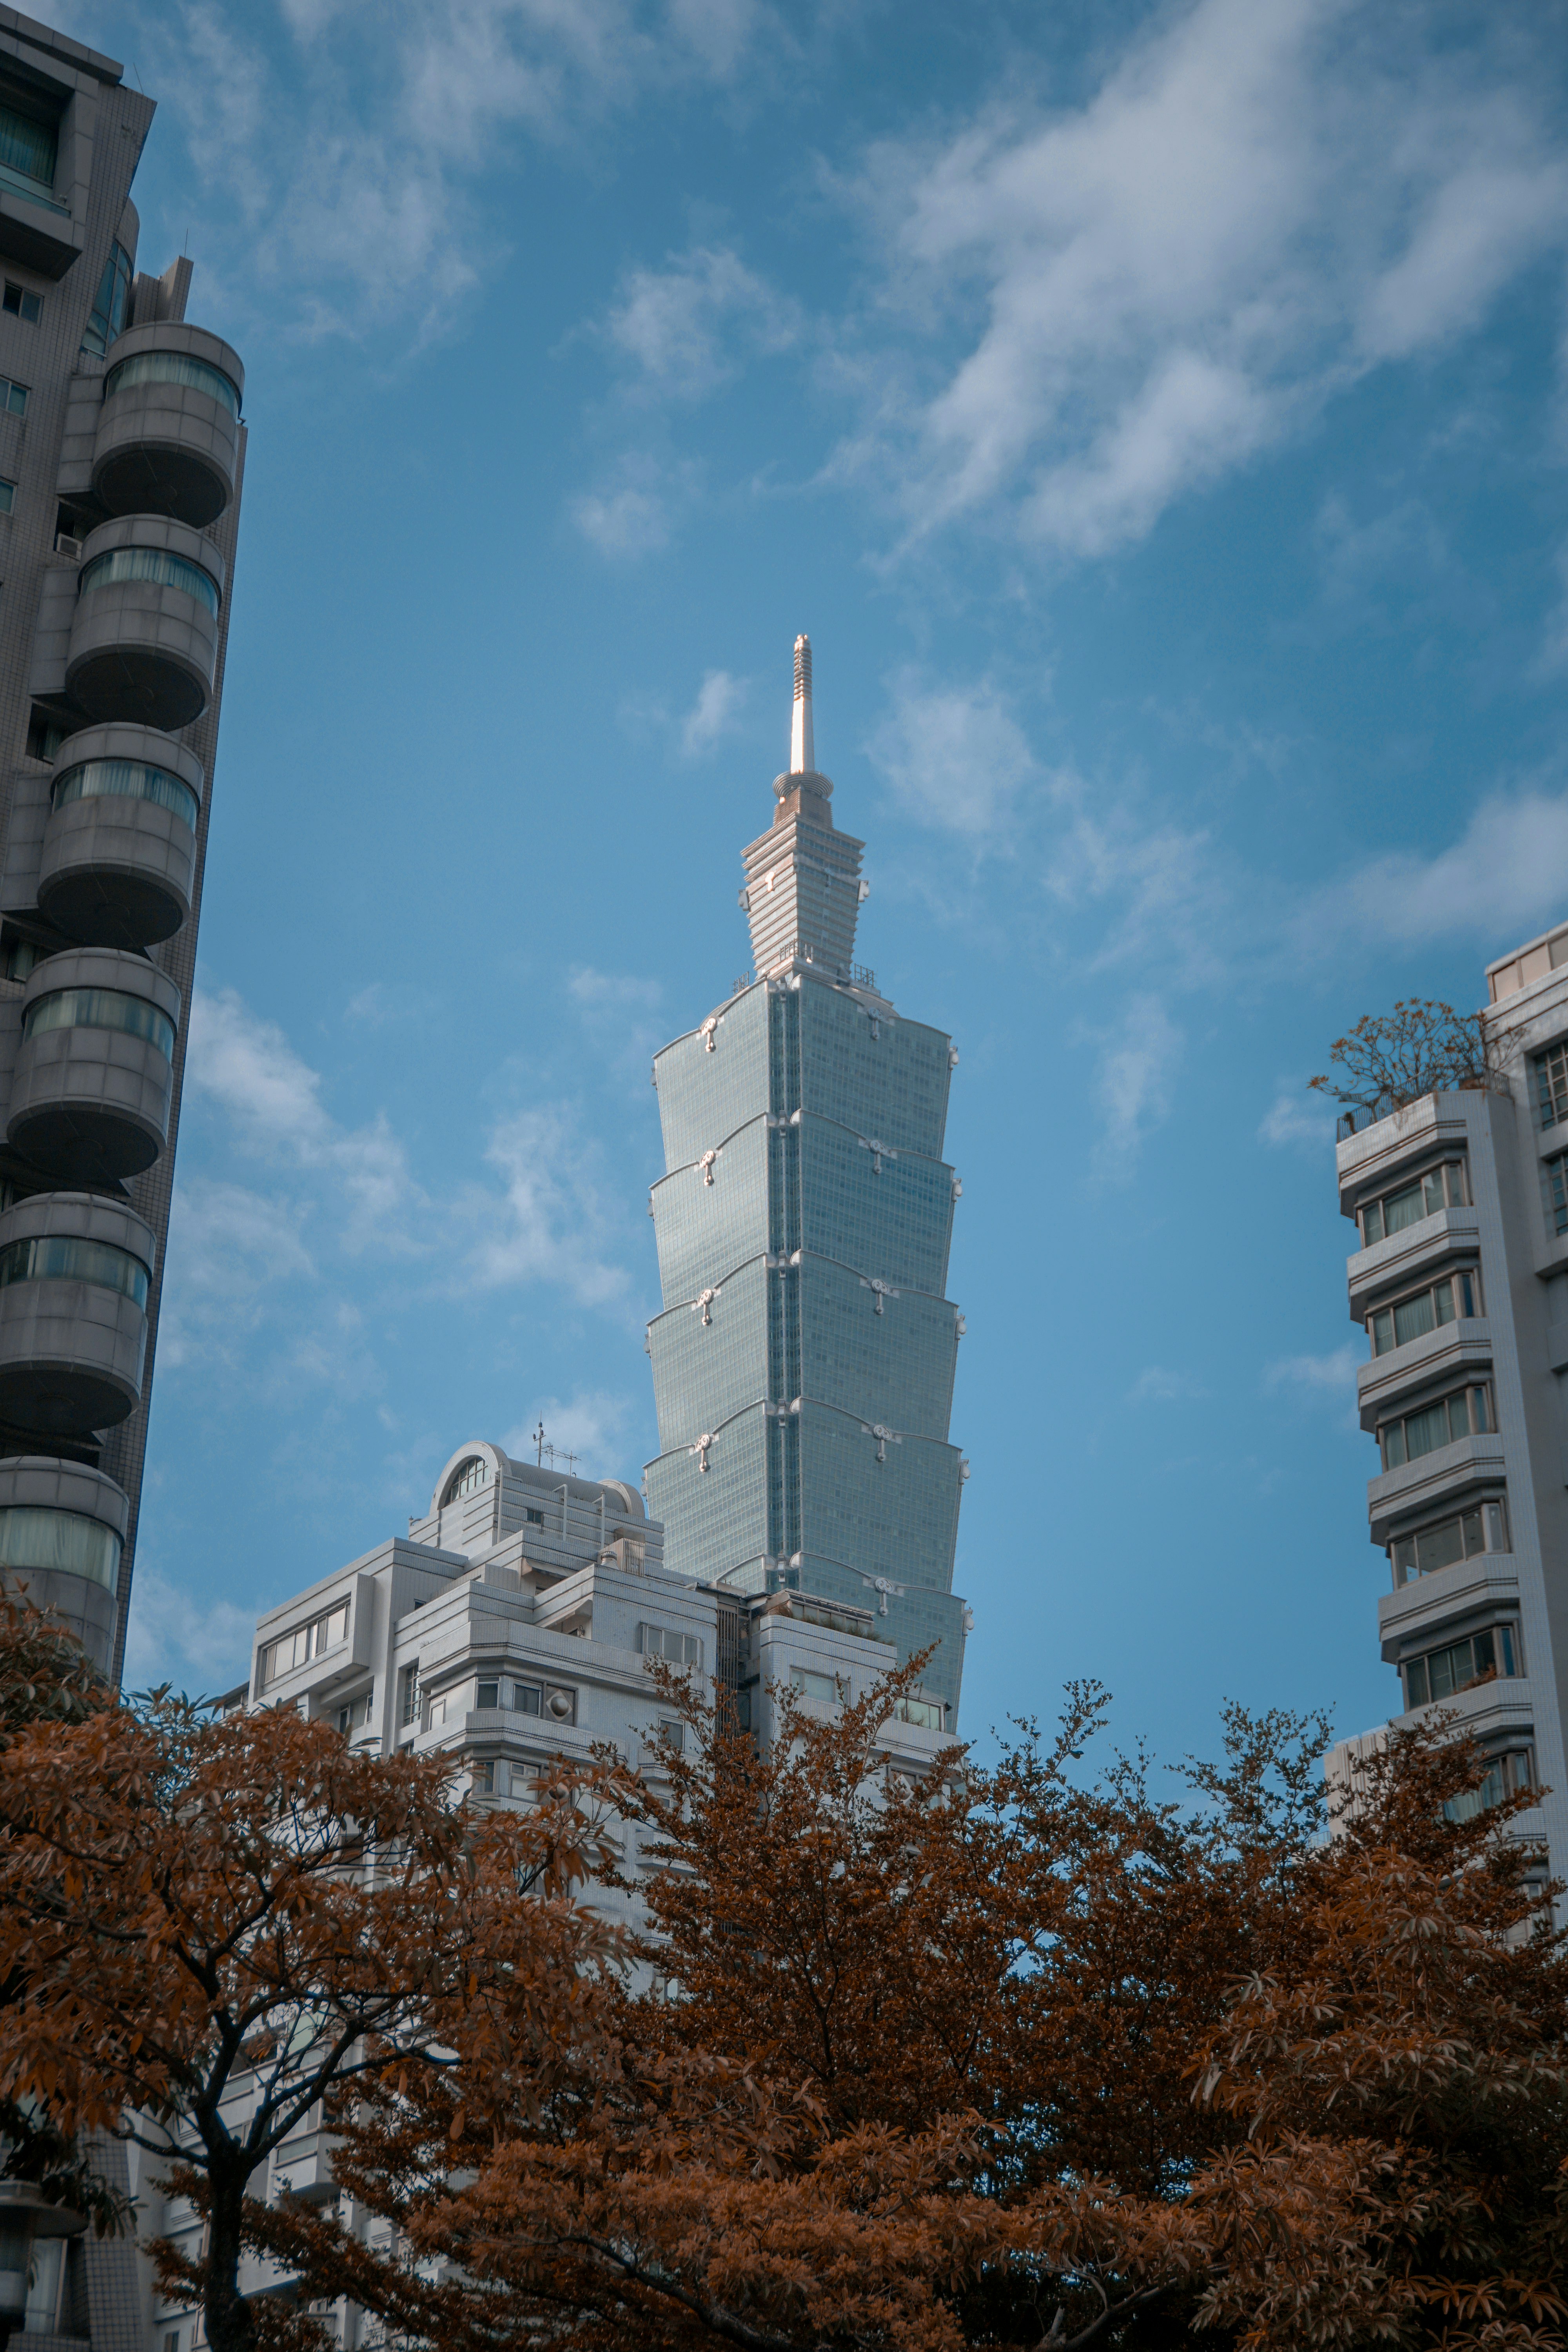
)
(1014, 2057)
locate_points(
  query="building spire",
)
(801, 751)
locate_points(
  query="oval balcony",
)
(143, 640)
(90, 1100)
(74, 1276)
(120, 844)
(168, 437)
(62, 1527)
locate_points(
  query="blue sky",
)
(1158, 419)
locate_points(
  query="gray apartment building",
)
(122, 455)
(804, 1361)
(515, 1624)
(1461, 1279)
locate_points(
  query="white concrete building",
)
(1461, 1279)
(514, 1623)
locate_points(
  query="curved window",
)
(68, 1258)
(128, 779)
(109, 308)
(151, 564)
(174, 367)
(31, 1537)
(100, 1008)
(465, 1479)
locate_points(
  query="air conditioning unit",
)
(65, 545)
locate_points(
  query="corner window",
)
(106, 318)
(306, 1641)
(1410, 1319)
(1507, 1776)
(1466, 1414)
(174, 367)
(154, 566)
(1440, 1188)
(33, 1536)
(929, 1714)
(1483, 1527)
(69, 1257)
(100, 1008)
(21, 304)
(131, 780)
(1481, 1658)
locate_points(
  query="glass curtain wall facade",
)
(804, 1362)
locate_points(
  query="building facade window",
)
(1466, 1414)
(13, 397)
(7, 496)
(174, 367)
(1483, 1527)
(107, 317)
(533, 1518)
(354, 1714)
(67, 1257)
(664, 1642)
(409, 1696)
(127, 779)
(155, 565)
(553, 1700)
(1410, 1319)
(27, 147)
(35, 1536)
(1508, 1775)
(1551, 1084)
(1480, 1658)
(1443, 1187)
(1555, 1171)
(305, 1642)
(814, 1685)
(466, 1479)
(929, 1714)
(21, 304)
(101, 1008)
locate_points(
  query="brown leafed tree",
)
(208, 1925)
(1421, 1047)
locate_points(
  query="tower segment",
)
(804, 1360)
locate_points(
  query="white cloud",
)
(1505, 877)
(230, 1248)
(1259, 202)
(687, 328)
(1335, 1372)
(1292, 1118)
(719, 701)
(589, 1424)
(554, 1220)
(170, 1637)
(1135, 1085)
(248, 1065)
(955, 756)
(626, 519)
(1169, 904)
(1155, 1385)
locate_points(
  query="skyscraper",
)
(121, 453)
(804, 1361)
(1460, 1277)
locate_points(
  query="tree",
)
(208, 1926)
(1421, 1047)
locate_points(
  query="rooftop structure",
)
(804, 1361)
(122, 456)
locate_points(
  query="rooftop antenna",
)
(538, 1445)
(802, 750)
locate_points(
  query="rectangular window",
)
(1443, 1187)
(306, 1641)
(1466, 1414)
(1507, 1776)
(929, 1713)
(1483, 1527)
(21, 304)
(409, 1696)
(1461, 1666)
(357, 1711)
(525, 1698)
(1551, 1085)
(672, 1732)
(535, 1518)
(1411, 1318)
(484, 1780)
(814, 1686)
(13, 397)
(1556, 1173)
(664, 1642)
(487, 1694)
(7, 496)
(27, 142)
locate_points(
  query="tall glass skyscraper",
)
(804, 1360)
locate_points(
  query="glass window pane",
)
(1440, 1546)
(1443, 1301)
(525, 1698)
(1425, 1430)
(1382, 1332)
(1402, 1209)
(1432, 1186)
(1372, 1223)
(1413, 1317)
(1440, 1672)
(1471, 1524)
(1466, 1293)
(488, 1694)
(1405, 1558)
(1416, 1683)
(1497, 1531)
(1506, 1645)
(1481, 1417)
(1459, 1415)
(1394, 1445)
(1484, 1651)
(1454, 1171)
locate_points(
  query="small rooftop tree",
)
(1421, 1047)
